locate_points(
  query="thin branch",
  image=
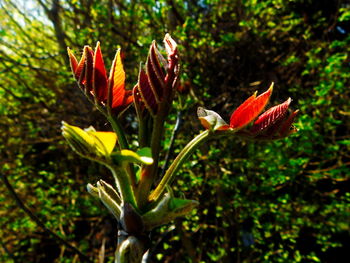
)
(30, 66)
(172, 140)
(21, 205)
(8, 251)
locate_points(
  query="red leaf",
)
(73, 61)
(154, 56)
(161, 59)
(147, 93)
(127, 100)
(116, 83)
(153, 69)
(89, 55)
(270, 117)
(77, 68)
(173, 64)
(249, 110)
(99, 75)
(237, 113)
(137, 98)
(287, 127)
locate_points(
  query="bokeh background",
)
(283, 201)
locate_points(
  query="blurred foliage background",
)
(286, 201)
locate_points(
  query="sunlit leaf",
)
(271, 116)
(117, 82)
(99, 75)
(249, 110)
(130, 156)
(105, 141)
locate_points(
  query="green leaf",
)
(167, 210)
(109, 201)
(143, 156)
(89, 142)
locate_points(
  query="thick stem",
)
(149, 172)
(131, 249)
(178, 162)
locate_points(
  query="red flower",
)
(272, 124)
(90, 73)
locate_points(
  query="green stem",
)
(124, 185)
(150, 172)
(178, 162)
(123, 144)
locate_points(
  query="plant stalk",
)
(178, 162)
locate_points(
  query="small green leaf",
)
(143, 156)
(109, 201)
(180, 206)
(167, 210)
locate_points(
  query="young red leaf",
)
(138, 102)
(173, 64)
(77, 67)
(116, 86)
(153, 69)
(287, 127)
(147, 93)
(73, 61)
(99, 75)
(89, 55)
(127, 100)
(270, 117)
(237, 113)
(249, 110)
(161, 59)
(154, 57)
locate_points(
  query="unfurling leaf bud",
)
(89, 143)
(167, 209)
(110, 199)
(211, 120)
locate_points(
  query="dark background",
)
(283, 201)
